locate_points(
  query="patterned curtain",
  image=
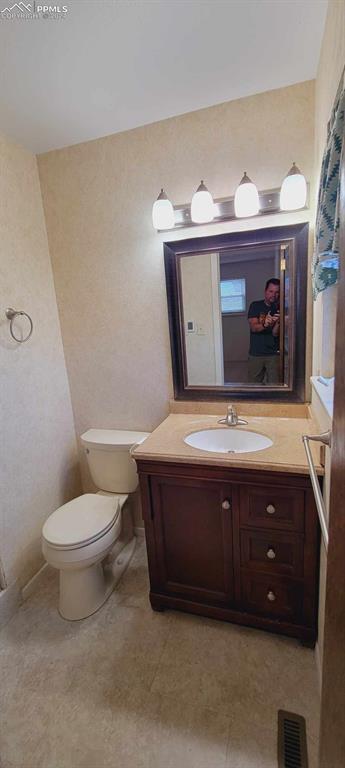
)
(326, 254)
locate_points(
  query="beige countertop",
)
(285, 455)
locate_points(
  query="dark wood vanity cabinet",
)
(238, 545)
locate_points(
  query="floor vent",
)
(292, 741)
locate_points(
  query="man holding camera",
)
(263, 317)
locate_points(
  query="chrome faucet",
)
(231, 418)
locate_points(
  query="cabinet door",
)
(192, 522)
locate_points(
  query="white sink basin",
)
(228, 440)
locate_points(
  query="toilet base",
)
(83, 591)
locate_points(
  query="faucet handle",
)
(231, 418)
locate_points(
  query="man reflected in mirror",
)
(264, 324)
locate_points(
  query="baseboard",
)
(139, 531)
(34, 582)
(10, 600)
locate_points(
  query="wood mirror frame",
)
(294, 235)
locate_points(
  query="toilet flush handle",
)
(132, 448)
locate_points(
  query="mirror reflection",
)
(234, 307)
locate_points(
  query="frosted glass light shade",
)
(293, 193)
(202, 208)
(246, 198)
(163, 216)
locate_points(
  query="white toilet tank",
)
(108, 454)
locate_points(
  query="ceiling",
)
(111, 65)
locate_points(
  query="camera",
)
(274, 308)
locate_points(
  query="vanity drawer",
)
(272, 507)
(272, 551)
(272, 596)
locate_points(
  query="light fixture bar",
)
(225, 209)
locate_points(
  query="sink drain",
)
(292, 741)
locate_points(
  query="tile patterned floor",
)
(130, 688)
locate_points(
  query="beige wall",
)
(38, 448)
(108, 260)
(331, 63)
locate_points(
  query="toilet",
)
(90, 540)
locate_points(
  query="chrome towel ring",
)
(11, 314)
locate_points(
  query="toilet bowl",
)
(90, 540)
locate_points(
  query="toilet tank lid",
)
(114, 439)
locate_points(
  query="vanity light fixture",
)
(163, 216)
(202, 208)
(246, 198)
(292, 196)
(293, 193)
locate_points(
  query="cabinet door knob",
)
(271, 596)
(226, 504)
(271, 554)
(270, 509)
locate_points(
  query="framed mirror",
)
(237, 314)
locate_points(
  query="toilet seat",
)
(82, 521)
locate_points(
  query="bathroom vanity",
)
(233, 537)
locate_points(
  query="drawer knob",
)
(271, 596)
(226, 504)
(270, 509)
(271, 554)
